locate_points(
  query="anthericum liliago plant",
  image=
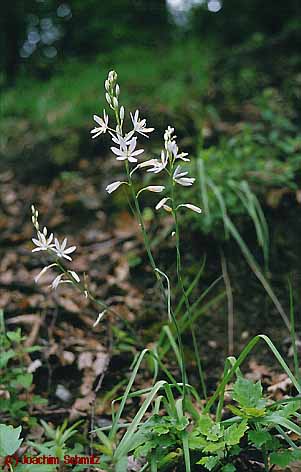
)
(183, 430)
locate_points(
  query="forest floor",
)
(84, 367)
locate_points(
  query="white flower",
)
(35, 217)
(161, 203)
(43, 271)
(168, 133)
(156, 164)
(191, 207)
(127, 150)
(57, 281)
(114, 186)
(172, 147)
(140, 125)
(74, 275)
(43, 242)
(154, 188)
(103, 125)
(99, 318)
(180, 178)
(61, 250)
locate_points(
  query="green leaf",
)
(254, 412)
(196, 441)
(9, 439)
(209, 462)
(258, 438)
(228, 468)
(216, 432)
(248, 394)
(235, 432)
(25, 380)
(205, 423)
(121, 464)
(5, 357)
(215, 447)
(282, 458)
(290, 409)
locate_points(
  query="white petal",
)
(155, 188)
(150, 162)
(161, 203)
(191, 207)
(117, 151)
(99, 318)
(69, 250)
(114, 186)
(185, 181)
(136, 153)
(66, 257)
(43, 272)
(98, 120)
(74, 275)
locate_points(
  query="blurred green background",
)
(225, 73)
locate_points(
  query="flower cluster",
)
(57, 252)
(125, 149)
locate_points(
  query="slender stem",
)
(158, 277)
(99, 303)
(230, 304)
(186, 299)
(152, 261)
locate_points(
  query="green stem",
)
(186, 299)
(158, 277)
(152, 262)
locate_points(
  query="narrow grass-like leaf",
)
(125, 442)
(240, 360)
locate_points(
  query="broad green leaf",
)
(25, 380)
(248, 394)
(196, 441)
(282, 458)
(5, 357)
(216, 432)
(209, 462)
(228, 468)
(235, 432)
(9, 439)
(215, 447)
(258, 438)
(205, 423)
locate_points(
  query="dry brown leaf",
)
(283, 383)
(85, 359)
(101, 362)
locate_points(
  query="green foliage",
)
(9, 439)
(58, 444)
(217, 443)
(15, 380)
(53, 119)
(160, 439)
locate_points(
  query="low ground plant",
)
(178, 426)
